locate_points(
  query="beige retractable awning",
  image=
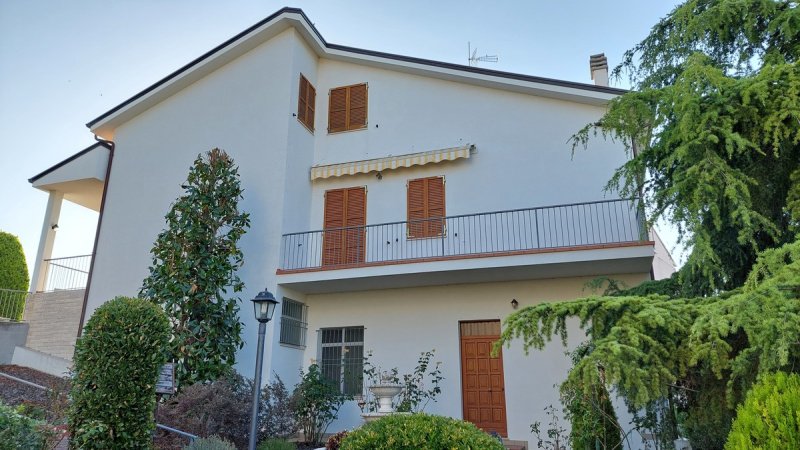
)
(391, 162)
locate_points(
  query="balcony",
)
(493, 242)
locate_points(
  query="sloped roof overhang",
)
(80, 177)
(295, 17)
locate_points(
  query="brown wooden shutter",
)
(416, 208)
(333, 241)
(357, 107)
(302, 100)
(435, 193)
(344, 223)
(347, 108)
(305, 103)
(426, 207)
(337, 110)
(312, 98)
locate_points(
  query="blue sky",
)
(63, 63)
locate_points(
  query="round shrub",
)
(13, 268)
(416, 431)
(770, 415)
(116, 366)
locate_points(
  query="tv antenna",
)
(473, 59)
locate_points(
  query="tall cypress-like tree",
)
(714, 122)
(193, 272)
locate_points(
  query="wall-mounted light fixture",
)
(514, 303)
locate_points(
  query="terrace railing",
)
(12, 304)
(501, 232)
(67, 273)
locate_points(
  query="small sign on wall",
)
(166, 379)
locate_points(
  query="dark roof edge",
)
(428, 62)
(68, 160)
(480, 70)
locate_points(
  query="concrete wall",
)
(12, 334)
(401, 323)
(53, 318)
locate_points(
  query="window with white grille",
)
(293, 323)
(342, 358)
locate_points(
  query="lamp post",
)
(264, 305)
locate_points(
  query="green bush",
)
(13, 276)
(316, 401)
(416, 431)
(770, 415)
(19, 432)
(13, 268)
(210, 443)
(276, 444)
(116, 366)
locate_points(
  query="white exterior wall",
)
(401, 323)
(522, 160)
(244, 108)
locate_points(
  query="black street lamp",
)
(264, 305)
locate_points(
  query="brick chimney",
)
(598, 64)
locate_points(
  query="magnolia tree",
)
(193, 273)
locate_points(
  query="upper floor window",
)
(293, 323)
(426, 207)
(305, 103)
(347, 108)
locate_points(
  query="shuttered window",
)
(426, 207)
(347, 108)
(305, 103)
(343, 241)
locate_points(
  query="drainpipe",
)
(111, 146)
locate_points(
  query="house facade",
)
(397, 205)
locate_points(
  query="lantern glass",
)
(264, 306)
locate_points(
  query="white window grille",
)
(342, 358)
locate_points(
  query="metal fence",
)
(67, 273)
(12, 304)
(548, 227)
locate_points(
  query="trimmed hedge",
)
(117, 361)
(418, 431)
(13, 276)
(770, 416)
(13, 268)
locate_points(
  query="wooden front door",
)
(482, 382)
(345, 217)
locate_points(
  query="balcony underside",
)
(585, 260)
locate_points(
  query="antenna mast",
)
(473, 59)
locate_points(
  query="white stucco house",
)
(397, 204)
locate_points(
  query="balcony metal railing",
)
(12, 304)
(67, 273)
(500, 232)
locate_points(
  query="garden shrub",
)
(417, 431)
(276, 416)
(220, 408)
(13, 275)
(116, 366)
(19, 432)
(770, 415)
(335, 441)
(276, 444)
(316, 401)
(210, 443)
(13, 268)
